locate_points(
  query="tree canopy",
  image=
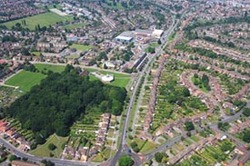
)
(61, 99)
(126, 161)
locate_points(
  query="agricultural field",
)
(81, 47)
(45, 19)
(25, 80)
(44, 151)
(8, 95)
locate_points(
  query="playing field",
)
(45, 19)
(25, 80)
(43, 150)
(80, 47)
(47, 67)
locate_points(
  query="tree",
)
(223, 126)
(246, 136)
(226, 146)
(52, 146)
(151, 50)
(12, 157)
(47, 163)
(126, 161)
(60, 99)
(189, 126)
(246, 112)
(159, 156)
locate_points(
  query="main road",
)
(123, 147)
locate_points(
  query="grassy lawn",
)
(47, 67)
(121, 80)
(44, 19)
(36, 53)
(43, 150)
(195, 138)
(81, 47)
(74, 26)
(98, 158)
(149, 146)
(153, 45)
(25, 80)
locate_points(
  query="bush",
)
(126, 161)
(13, 157)
(189, 126)
(52, 146)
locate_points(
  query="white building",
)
(107, 78)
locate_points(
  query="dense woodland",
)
(61, 99)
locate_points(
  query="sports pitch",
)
(45, 19)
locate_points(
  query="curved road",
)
(32, 158)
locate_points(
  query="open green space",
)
(121, 80)
(81, 47)
(102, 156)
(201, 82)
(118, 5)
(36, 53)
(44, 151)
(154, 45)
(49, 67)
(147, 147)
(45, 19)
(74, 26)
(51, 98)
(25, 80)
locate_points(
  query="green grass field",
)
(81, 47)
(149, 146)
(47, 67)
(25, 80)
(45, 19)
(43, 150)
(36, 53)
(74, 26)
(121, 80)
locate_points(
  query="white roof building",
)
(157, 33)
(107, 78)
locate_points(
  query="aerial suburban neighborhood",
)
(125, 82)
